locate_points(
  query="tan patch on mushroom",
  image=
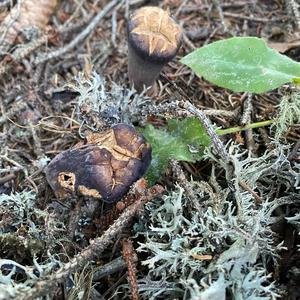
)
(67, 180)
(156, 25)
(88, 192)
(108, 141)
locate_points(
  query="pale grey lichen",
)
(223, 249)
(114, 105)
(20, 205)
(30, 253)
(288, 114)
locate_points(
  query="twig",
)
(248, 108)
(97, 246)
(228, 114)
(37, 143)
(112, 267)
(251, 145)
(130, 257)
(106, 220)
(183, 182)
(181, 6)
(114, 27)
(25, 13)
(294, 151)
(247, 188)
(218, 145)
(186, 105)
(74, 219)
(246, 119)
(7, 24)
(188, 42)
(220, 12)
(253, 19)
(7, 178)
(236, 4)
(13, 162)
(82, 36)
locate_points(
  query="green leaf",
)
(243, 64)
(182, 140)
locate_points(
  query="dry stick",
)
(239, 16)
(248, 108)
(182, 180)
(96, 247)
(112, 267)
(221, 113)
(138, 189)
(5, 29)
(294, 151)
(236, 4)
(246, 119)
(246, 187)
(220, 12)
(83, 35)
(216, 142)
(188, 106)
(7, 178)
(27, 49)
(130, 257)
(218, 145)
(37, 147)
(74, 219)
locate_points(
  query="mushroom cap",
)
(104, 168)
(154, 34)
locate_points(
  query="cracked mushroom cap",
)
(104, 168)
(154, 34)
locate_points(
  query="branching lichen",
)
(224, 248)
(25, 243)
(117, 105)
(288, 114)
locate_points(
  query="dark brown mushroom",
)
(105, 167)
(153, 39)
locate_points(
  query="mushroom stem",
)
(141, 73)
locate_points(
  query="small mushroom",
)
(104, 168)
(153, 39)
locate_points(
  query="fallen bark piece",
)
(104, 168)
(29, 13)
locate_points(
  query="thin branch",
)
(96, 247)
(130, 257)
(79, 38)
(218, 145)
